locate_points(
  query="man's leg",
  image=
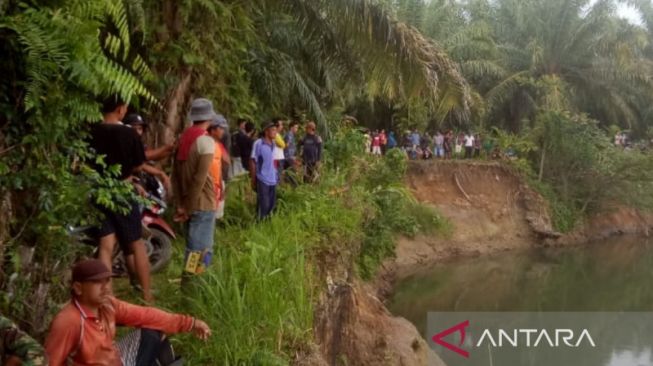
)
(199, 246)
(105, 249)
(150, 347)
(264, 199)
(143, 347)
(273, 198)
(129, 231)
(142, 267)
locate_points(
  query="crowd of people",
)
(203, 159)
(441, 145)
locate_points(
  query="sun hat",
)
(201, 109)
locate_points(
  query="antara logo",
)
(514, 338)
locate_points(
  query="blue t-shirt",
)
(291, 147)
(415, 138)
(264, 160)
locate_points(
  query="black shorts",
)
(127, 227)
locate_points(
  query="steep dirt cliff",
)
(491, 210)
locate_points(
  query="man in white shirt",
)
(469, 145)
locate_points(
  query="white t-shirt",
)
(469, 141)
(277, 153)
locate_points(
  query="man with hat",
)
(263, 171)
(217, 130)
(194, 187)
(84, 330)
(137, 123)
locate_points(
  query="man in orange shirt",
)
(84, 330)
(217, 130)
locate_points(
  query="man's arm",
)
(200, 174)
(62, 340)
(149, 169)
(252, 173)
(159, 153)
(319, 148)
(152, 318)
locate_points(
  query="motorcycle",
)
(157, 234)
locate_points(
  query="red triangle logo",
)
(459, 328)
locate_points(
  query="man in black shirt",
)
(245, 142)
(311, 146)
(121, 145)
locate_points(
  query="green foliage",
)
(52, 80)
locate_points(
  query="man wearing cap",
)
(217, 130)
(121, 146)
(137, 122)
(139, 125)
(83, 331)
(263, 171)
(194, 187)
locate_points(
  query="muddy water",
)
(615, 275)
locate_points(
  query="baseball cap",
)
(90, 270)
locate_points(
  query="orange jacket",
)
(89, 340)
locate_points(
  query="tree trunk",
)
(542, 159)
(6, 214)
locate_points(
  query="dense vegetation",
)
(252, 58)
(552, 80)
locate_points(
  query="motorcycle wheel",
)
(159, 249)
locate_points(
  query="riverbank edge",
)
(613, 222)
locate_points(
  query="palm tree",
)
(596, 58)
(301, 54)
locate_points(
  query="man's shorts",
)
(127, 227)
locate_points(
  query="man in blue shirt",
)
(264, 173)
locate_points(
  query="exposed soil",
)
(488, 207)
(490, 210)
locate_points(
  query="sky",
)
(629, 13)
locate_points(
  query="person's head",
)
(136, 122)
(218, 127)
(241, 123)
(293, 127)
(249, 127)
(270, 131)
(278, 123)
(201, 111)
(114, 107)
(310, 128)
(91, 282)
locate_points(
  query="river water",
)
(615, 275)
